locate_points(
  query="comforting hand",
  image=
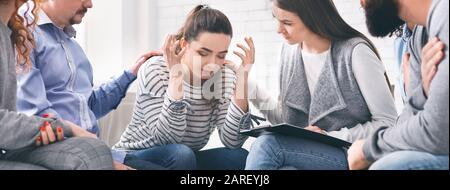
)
(78, 131)
(47, 136)
(142, 59)
(356, 158)
(432, 55)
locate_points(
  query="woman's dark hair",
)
(204, 19)
(323, 18)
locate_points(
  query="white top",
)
(369, 74)
(313, 67)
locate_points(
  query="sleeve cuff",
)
(177, 106)
(126, 79)
(130, 75)
(371, 149)
(236, 110)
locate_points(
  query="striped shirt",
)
(159, 120)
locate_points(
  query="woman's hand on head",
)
(170, 51)
(247, 58)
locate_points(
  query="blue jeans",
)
(274, 152)
(181, 157)
(410, 160)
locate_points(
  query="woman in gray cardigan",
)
(32, 143)
(332, 82)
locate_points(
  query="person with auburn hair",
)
(60, 80)
(35, 143)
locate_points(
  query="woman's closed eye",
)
(202, 53)
(222, 56)
(287, 23)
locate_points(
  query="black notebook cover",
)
(294, 131)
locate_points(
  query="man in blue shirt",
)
(60, 83)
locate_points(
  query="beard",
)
(382, 17)
(79, 13)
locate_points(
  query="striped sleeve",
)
(158, 119)
(229, 131)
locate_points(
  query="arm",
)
(31, 93)
(423, 125)
(109, 95)
(369, 74)
(163, 113)
(267, 105)
(163, 118)
(19, 131)
(229, 131)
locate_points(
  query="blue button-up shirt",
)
(60, 81)
(401, 48)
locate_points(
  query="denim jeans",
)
(274, 152)
(411, 160)
(181, 157)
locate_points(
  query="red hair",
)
(21, 36)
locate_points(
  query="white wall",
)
(116, 31)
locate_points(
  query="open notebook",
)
(294, 131)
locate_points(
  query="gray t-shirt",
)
(423, 125)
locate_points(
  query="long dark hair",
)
(323, 18)
(204, 19)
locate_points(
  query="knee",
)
(263, 144)
(183, 158)
(88, 154)
(263, 153)
(402, 160)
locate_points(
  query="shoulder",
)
(350, 44)
(153, 73)
(365, 59)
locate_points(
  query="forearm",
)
(175, 87)
(108, 96)
(240, 97)
(423, 125)
(167, 119)
(229, 133)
